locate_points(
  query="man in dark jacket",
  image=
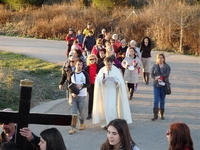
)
(9, 131)
(68, 68)
(89, 42)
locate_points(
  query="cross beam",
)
(22, 118)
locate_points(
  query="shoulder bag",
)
(167, 85)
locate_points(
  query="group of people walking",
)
(111, 66)
(128, 58)
(105, 67)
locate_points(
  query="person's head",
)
(79, 32)
(118, 134)
(131, 51)
(123, 42)
(72, 60)
(109, 51)
(179, 137)
(107, 44)
(7, 127)
(115, 37)
(9, 146)
(91, 59)
(90, 33)
(132, 43)
(99, 41)
(107, 35)
(71, 31)
(71, 53)
(146, 42)
(75, 42)
(112, 41)
(108, 61)
(102, 53)
(89, 25)
(51, 139)
(77, 53)
(103, 31)
(79, 65)
(160, 58)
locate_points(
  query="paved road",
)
(182, 105)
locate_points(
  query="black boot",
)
(144, 77)
(162, 110)
(89, 117)
(131, 94)
(147, 78)
(155, 112)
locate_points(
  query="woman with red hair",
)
(179, 137)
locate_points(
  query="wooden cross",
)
(23, 117)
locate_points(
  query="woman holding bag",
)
(160, 73)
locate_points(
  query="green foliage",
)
(15, 67)
(102, 4)
(17, 4)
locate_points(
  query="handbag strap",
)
(159, 69)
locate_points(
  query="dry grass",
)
(160, 20)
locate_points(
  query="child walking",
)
(131, 63)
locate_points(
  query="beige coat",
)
(131, 76)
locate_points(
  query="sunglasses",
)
(71, 61)
(167, 132)
(92, 59)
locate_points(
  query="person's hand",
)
(157, 77)
(103, 81)
(60, 87)
(73, 95)
(27, 133)
(116, 83)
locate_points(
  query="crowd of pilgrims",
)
(103, 45)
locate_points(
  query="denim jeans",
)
(78, 104)
(159, 96)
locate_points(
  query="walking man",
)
(82, 81)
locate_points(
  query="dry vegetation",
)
(173, 25)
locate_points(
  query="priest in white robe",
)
(110, 95)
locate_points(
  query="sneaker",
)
(81, 127)
(72, 131)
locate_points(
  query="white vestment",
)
(110, 101)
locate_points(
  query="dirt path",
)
(182, 105)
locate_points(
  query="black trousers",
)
(90, 103)
(130, 86)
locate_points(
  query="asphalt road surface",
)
(182, 105)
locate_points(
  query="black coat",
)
(30, 145)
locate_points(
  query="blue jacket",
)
(89, 42)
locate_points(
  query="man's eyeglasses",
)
(71, 61)
(167, 132)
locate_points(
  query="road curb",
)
(46, 106)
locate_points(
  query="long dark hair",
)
(53, 139)
(180, 137)
(124, 133)
(149, 42)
